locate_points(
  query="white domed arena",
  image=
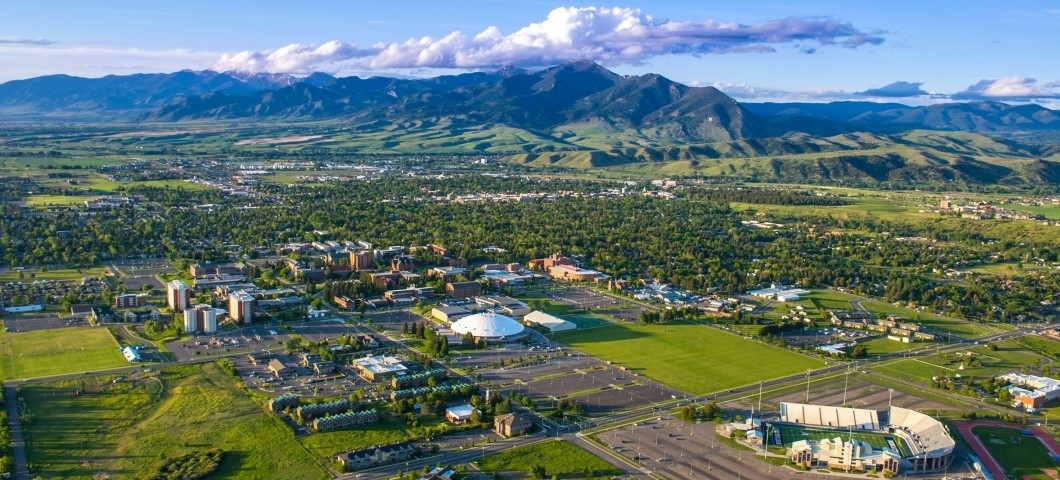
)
(492, 327)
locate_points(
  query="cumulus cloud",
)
(896, 90)
(606, 35)
(1011, 88)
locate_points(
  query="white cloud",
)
(606, 35)
(1014, 87)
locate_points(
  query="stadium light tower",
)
(807, 385)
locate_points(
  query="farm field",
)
(559, 458)
(117, 430)
(692, 358)
(57, 351)
(1021, 456)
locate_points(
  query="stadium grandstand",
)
(853, 439)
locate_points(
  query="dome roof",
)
(488, 325)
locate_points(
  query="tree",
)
(538, 471)
(476, 416)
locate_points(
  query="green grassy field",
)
(577, 316)
(57, 351)
(92, 428)
(1006, 269)
(57, 200)
(692, 358)
(558, 457)
(61, 275)
(883, 345)
(1009, 357)
(1021, 456)
(327, 444)
(792, 433)
(937, 323)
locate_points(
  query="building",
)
(131, 354)
(344, 420)
(552, 261)
(130, 300)
(511, 425)
(277, 368)
(576, 274)
(379, 367)
(440, 473)
(446, 273)
(402, 263)
(925, 444)
(463, 289)
(278, 404)
(318, 410)
(241, 307)
(459, 413)
(375, 456)
(201, 318)
(490, 327)
(449, 313)
(361, 261)
(1031, 391)
(552, 323)
(779, 293)
(407, 296)
(178, 295)
(503, 304)
(82, 311)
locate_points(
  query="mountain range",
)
(572, 93)
(579, 114)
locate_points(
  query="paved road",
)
(17, 443)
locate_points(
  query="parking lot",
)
(26, 322)
(582, 297)
(681, 450)
(260, 338)
(599, 388)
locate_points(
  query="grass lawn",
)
(692, 358)
(327, 444)
(58, 200)
(56, 351)
(122, 430)
(1009, 357)
(1020, 456)
(1007, 269)
(558, 457)
(577, 316)
(61, 275)
(1042, 345)
(937, 323)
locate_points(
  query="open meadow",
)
(689, 357)
(559, 458)
(57, 351)
(93, 428)
(981, 363)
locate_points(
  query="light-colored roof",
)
(460, 411)
(488, 325)
(380, 364)
(550, 322)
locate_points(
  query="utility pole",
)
(807, 385)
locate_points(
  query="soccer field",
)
(57, 351)
(1022, 456)
(693, 358)
(792, 433)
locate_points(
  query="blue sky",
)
(761, 51)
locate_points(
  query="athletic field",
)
(56, 351)
(791, 433)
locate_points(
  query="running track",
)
(984, 455)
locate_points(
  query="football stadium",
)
(853, 439)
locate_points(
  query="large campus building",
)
(490, 327)
(201, 318)
(1031, 391)
(854, 439)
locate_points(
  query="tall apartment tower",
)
(361, 261)
(241, 307)
(201, 318)
(178, 295)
